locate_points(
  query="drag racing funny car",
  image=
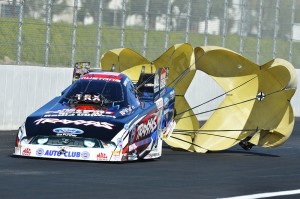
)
(102, 116)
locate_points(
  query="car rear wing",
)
(152, 86)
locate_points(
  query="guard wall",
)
(26, 88)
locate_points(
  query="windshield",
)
(95, 92)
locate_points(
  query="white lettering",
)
(87, 97)
(146, 129)
(76, 112)
(76, 122)
(78, 96)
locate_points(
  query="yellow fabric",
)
(180, 60)
(256, 102)
(126, 61)
(243, 80)
(185, 122)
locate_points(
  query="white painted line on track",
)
(266, 195)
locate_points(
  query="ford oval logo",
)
(66, 130)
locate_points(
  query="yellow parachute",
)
(256, 109)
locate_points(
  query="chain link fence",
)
(61, 32)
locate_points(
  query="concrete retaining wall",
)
(26, 88)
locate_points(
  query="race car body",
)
(103, 116)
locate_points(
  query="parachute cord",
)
(144, 82)
(179, 78)
(216, 97)
(167, 63)
(274, 92)
(217, 108)
(255, 130)
(222, 136)
(225, 130)
(188, 142)
(185, 72)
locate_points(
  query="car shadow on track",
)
(245, 153)
(85, 161)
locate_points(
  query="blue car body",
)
(103, 116)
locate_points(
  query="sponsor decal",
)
(66, 130)
(101, 156)
(56, 153)
(85, 155)
(166, 101)
(145, 129)
(118, 152)
(126, 111)
(108, 76)
(136, 145)
(17, 150)
(172, 94)
(75, 122)
(77, 112)
(120, 142)
(163, 78)
(132, 132)
(26, 152)
(66, 134)
(159, 103)
(88, 98)
(39, 152)
(126, 126)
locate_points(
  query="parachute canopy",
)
(256, 109)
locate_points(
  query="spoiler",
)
(152, 85)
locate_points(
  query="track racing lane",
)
(177, 174)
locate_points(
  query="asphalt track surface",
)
(178, 174)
